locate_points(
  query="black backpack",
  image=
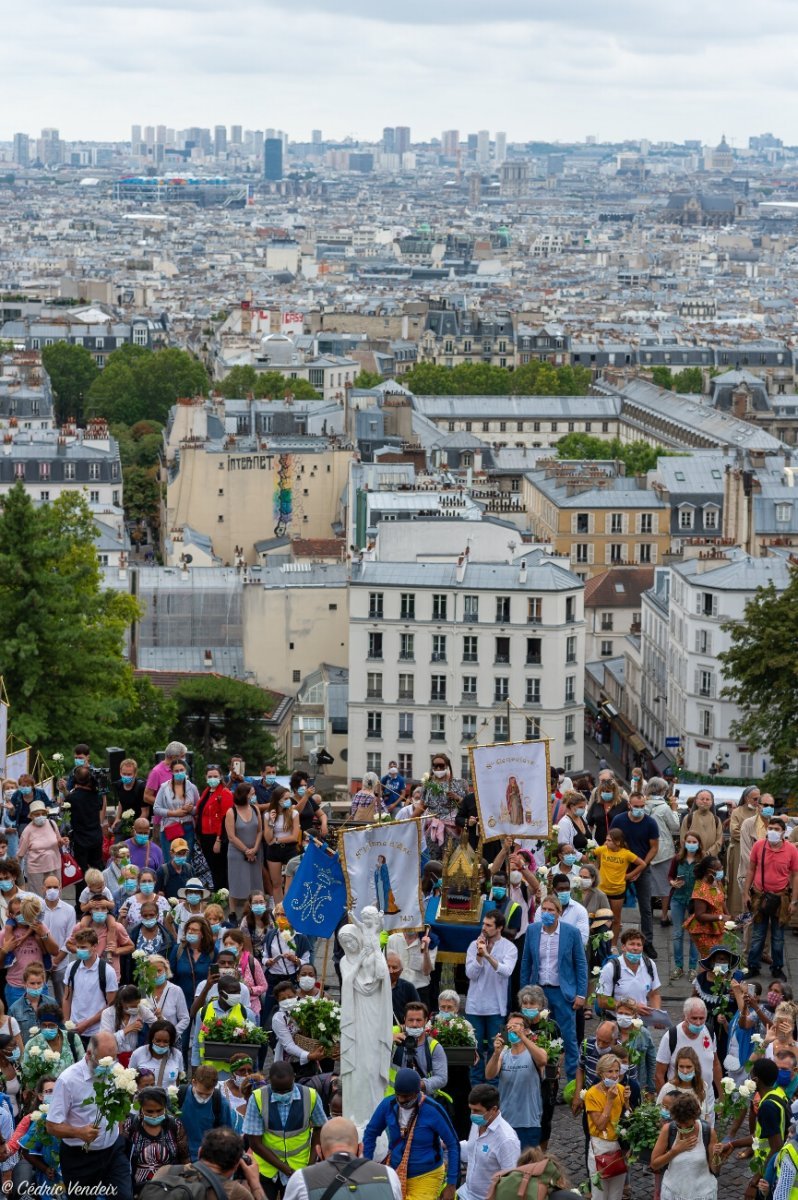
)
(102, 975)
(216, 1102)
(184, 1183)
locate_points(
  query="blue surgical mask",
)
(83, 953)
(179, 776)
(130, 886)
(687, 1076)
(286, 803)
(79, 762)
(721, 968)
(530, 1013)
(512, 1037)
(548, 919)
(160, 980)
(784, 1077)
(564, 898)
(141, 839)
(719, 875)
(569, 859)
(301, 791)
(282, 1095)
(232, 950)
(477, 1119)
(694, 1028)
(193, 897)
(637, 814)
(160, 1049)
(258, 909)
(579, 812)
(101, 1070)
(50, 1034)
(213, 781)
(99, 918)
(147, 889)
(767, 810)
(6, 885)
(499, 893)
(26, 791)
(149, 922)
(155, 1120)
(192, 938)
(632, 958)
(216, 929)
(127, 778)
(271, 779)
(13, 1055)
(34, 991)
(180, 860)
(666, 1116)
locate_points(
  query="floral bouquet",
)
(220, 897)
(113, 1093)
(173, 1092)
(457, 1031)
(732, 1101)
(637, 1131)
(438, 787)
(144, 973)
(546, 1036)
(319, 1019)
(551, 847)
(39, 1061)
(599, 940)
(225, 1029)
(125, 826)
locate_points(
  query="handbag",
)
(610, 1163)
(173, 830)
(770, 904)
(70, 871)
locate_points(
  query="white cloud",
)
(537, 70)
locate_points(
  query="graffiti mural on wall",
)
(283, 494)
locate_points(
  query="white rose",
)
(555, 828)
(583, 1093)
(608, 936)
(544, 1012)
(34, 1029)
(322, 1027)
(596, 971)
(637, 1023)
(69, 1025)
(743, 970)
(106, 1061)
(728, 1085)
(35, 1051)
(757, 1039)
(127, 814)
(130, 1088)
(50, 1055)
(172, 1090)
(730, 925)
(755, 1144)
(223, 892)
(139, 954)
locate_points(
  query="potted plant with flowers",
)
(318, 1020)
(223, 1037)
(458, 1040)
(638, 1131)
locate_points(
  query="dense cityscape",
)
(352, 466)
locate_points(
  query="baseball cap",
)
(179, 844)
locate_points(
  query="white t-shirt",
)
(635, 984)
(704, 1046)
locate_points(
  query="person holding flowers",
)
(154, 1138)
(36, 1145)
(160, 1054)
(517, 1062)
(50, 1038)
(125, 1020)
(633, 1035)
(605, 1104)
(89, 1100)
(166, 1001)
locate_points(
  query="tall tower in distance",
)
(483, 147)
(21, 149)
(500, 148)
(389, 140)
(450, 143)
(402, 139)
(220, 140)
(273, 158)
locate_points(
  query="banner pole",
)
(324, 966)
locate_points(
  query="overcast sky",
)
(559, 69)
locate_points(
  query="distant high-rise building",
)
(206, 141)
(475, 189)
(135, 139)
(220, 140)
(257, 143)
(389, 140)
(472, 145)
(51, 149)
(315, 137)
(500, 148)
(235, 135)
(21, 149)
(149, 135)
(402, 139)
(450, 143)
(273, 158)
(483, 147)
(160, 135)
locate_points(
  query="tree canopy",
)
(245, 381)
(761, 677)
(72, 372)
(690, 380)
(638, 457)
(483, 379)
(138, 384)
(368, 379)
(221, 716)
(61, 633)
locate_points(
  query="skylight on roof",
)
(716, 475)
(619, 587)
(679, 475)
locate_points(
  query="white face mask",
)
(775, 836)
(201, 1099)
(440, 774)
(40, 821)
(52, 894)
(306, 983)
(287, 1005)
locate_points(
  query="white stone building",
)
(443, 656)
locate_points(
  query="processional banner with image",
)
(511, 786)
(382, 865)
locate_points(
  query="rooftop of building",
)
(620, 587)
(734, 571)
(541, 575)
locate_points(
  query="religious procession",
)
(211, 988)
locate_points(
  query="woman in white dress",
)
(685, 1150)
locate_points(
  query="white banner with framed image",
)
(382, 867)
(511, 786)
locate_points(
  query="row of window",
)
(470, 648)
(374, 758)
(527, 426)
(95, 470)
(616, 522)
(444, 608)
(94, 497)
(441, 692)
(614, 552)
(469, 726)
(687, 513)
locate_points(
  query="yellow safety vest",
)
(392, 1069)
(792, 1152)
(237, 1013)
(292, 1147)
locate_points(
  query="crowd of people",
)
(137, 913)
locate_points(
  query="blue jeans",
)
(188, 834)
(679, 915)
(758, 935)
(486, 1029)
(565, 1016)
(528, 1135)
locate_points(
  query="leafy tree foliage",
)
(61, 634)
(761, 672)
(72, 372)
(221, 716)
(368, 379)
(483, 379)
(638, 457)
(142, 492)
(690, 380)
(138, 384)
(246, 381)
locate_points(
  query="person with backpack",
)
(153, 1137)
(227, 1004)
(632, 974)
(422, 1053)
(53, 1036)
(685, 1151)
(93, 1157)
(693, 1032)
(90, 986)
(342, 1169)
(418, 1129)
(772, 1120)
(221, 1156)
(281, 1127)
(202, 1107)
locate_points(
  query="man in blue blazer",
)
(554, 960)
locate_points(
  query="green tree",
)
(368, 379)
(428, 379)
(273, 386)
(222, 716)
(145, 719)
(690, 380)
(662, 377)
(142, 492)
(637, 457)
(61, 634)
(760, 669)
(72, 372)
(142, 385)
(582, 445)
(479, 379)
(239, 382)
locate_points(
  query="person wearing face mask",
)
(443, 795)
(281, 1127)
(682, 881)
(284, 952)
(28, 942)
(167, 1002)
(631, 974)
(688, 1079)
(663, 807)
(772, 1124)
(554, 959)
(8, 825)
(747, 807)
(193, 897)
(282, 834)
(771, 891)
(225, 967)
(25, 1010)
(607, 801)
(590, 1052)
(190, 959)
(175, 871)
(125, 1020)
(422, 1053)
(691, 1032)
(10, 877)
(706, 922)
(27, 793)
(160, 1052)
(40, 845)
(605, 1104)
(517, 1062)
(128, 791)
(393, 787)
(417, 1127)
(114, 941)
(599, 914)
(92, 1151)
(10, 1062)
(490, 961)
(641, 834)
(418, 950)
(227, 1004)
(712, 984)
(303, 796)
(572, 828)
(144, 852)
(214, 804)
(130, 910)
(704, 821)
(685, 1150)
(38, 1169)
(250, 972)
(153, 1137)
(244, 830)
(120, 860)
(492, 1144)
(202, 1107)
(59, 917)
(175, 806)
(265, 785)
(752, 829)
(573, 913)
(233, 1088)
(639, 1044)
(90, 985)
(150, 936)
(284, 1029)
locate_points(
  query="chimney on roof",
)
(462, 563)
(522, 571)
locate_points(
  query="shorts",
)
(616, 895)
(280, 852)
